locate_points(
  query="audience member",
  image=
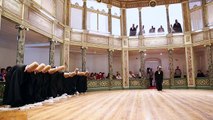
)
(161, 29)
(3, 74)
(200, 74)
(152, 30)
(131, 75)
(177, 73)
(177, 27)
(133, 30)
(118, 76)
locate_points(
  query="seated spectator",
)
(152, 30)
(207, 74)
(133, 30)
(177, 27)
(161, 29)
(118, 76)
(131, 75)
(200, 74)
(177, 73)
(2, 74)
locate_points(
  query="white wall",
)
(8, 53)
(40, 55)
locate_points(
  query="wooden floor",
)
(126, 105)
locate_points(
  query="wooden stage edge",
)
(145, 104)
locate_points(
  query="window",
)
(194, 3)
(76, 18)
(116, 28)
(196, 20)
(115, 11)
(210, 15)
(92, 21)
(97, 6)
(154, 17)
(132, 17)
(79, 2)
(175, 13)
(103, 23)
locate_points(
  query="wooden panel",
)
(75, 36)
(97, 39)
(125, 105)
(134, 43)
(117, 42)
(178, 40)
(155, 41)
(49, 5)
(13, 6)
(60, 10)
(59, 31)
(196, 37)
(39, 21)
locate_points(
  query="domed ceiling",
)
(138, 3)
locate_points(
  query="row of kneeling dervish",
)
(27, 84)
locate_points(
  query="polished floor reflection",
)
(127, 105)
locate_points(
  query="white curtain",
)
(103, 23)
(197, 20)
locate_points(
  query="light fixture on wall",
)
(98, 0)
(152, 3)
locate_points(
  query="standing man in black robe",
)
(159, 78)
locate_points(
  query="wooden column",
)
(65, 49)
(205, 15)
(142, 65)
(110, 64)
(67, 12)
(171, 67)
(186, 16)
(210, 63)
(123, 22)
(21, 44)
(83, 55)
(84, 22)
(140, 21)
(109, 18)
(167, 19)
(52, 53)
(190, 66)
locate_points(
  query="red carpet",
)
(152, 87)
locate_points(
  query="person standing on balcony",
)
(161, 29)
(177, 27)
(133, 30)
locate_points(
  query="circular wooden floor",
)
(130, 105)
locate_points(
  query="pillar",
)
(186, 16)
(65, 55)
(140, 21)
(125, 68)
(190, 66)
(52, 53)
(210, 63)
(205, 15)
(83, 55)
(84, 22)
(109, 18)
(167, 19)
(142, 64)
(110, 63)
(67, 12)
(171, 67)
(123, 22)
(20, 44)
